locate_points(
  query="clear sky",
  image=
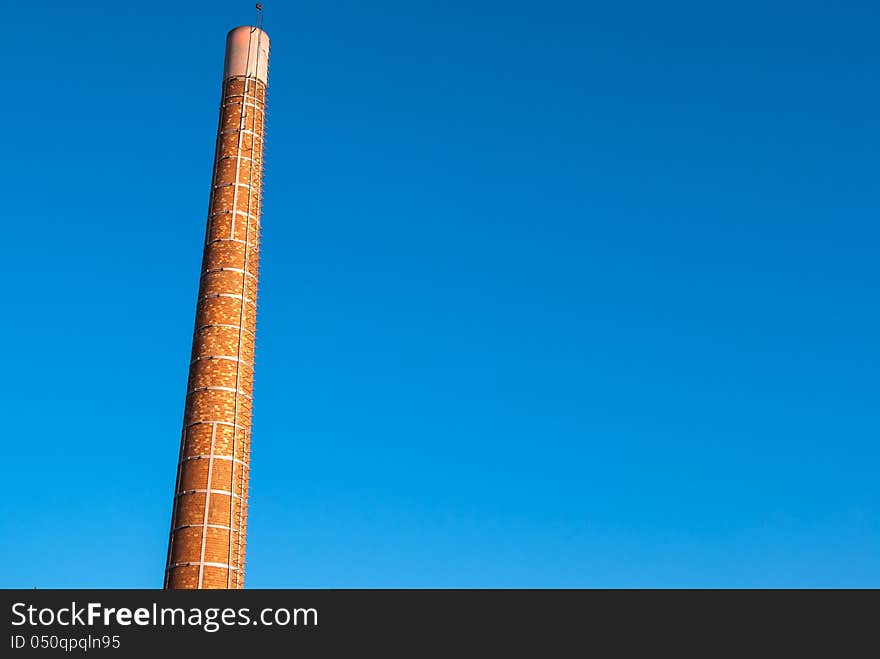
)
(552, 293)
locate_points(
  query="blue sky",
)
(553, 293)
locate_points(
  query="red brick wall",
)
(207, 543)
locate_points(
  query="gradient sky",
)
(552, 293)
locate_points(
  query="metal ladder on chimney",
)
(242, 502)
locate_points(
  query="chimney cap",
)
(247, 53)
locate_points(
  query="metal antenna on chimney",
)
(259, 16)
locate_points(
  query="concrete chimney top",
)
(247, 53)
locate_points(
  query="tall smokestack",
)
(206, 548)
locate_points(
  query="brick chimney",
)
(206, 547)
